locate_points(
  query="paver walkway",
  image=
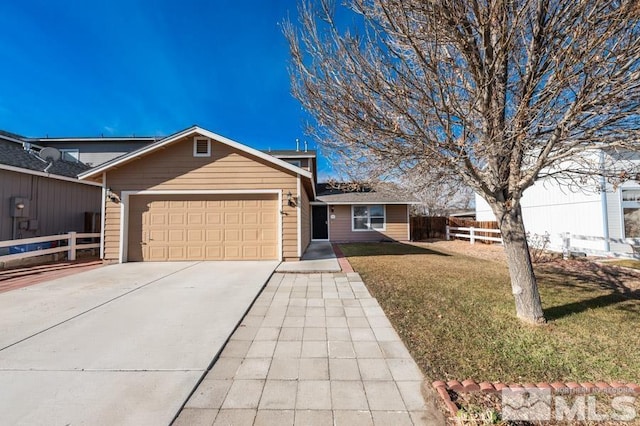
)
(315, 349)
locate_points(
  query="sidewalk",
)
(319, 257)
(315, 349)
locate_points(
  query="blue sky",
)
(124, 67)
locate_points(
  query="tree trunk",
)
(523, 281)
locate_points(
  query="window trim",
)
(369, 229)
(197, 139)
(297, 163)
(630, 205)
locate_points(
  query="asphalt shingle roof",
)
(329, 193)
(13, 154)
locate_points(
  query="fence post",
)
(566, 244)
(472, 235)
(447, 233)
(72, 245)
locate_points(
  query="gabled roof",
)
(12, 153)
(337, 194)
(187, 132)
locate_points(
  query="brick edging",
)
(470, 385)
(342, 260)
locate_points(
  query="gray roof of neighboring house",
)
(333, 194)
(291, 153)
(13, 154)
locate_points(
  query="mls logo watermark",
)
(540, 405)
(526, 404)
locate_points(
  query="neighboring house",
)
(196, 195)
(38, 197)
(94, 151)
(604, 223)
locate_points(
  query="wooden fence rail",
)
(71, 243)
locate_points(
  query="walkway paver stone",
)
(315, 349)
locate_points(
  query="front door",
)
(320, 223)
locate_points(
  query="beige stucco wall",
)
(175, 168)
(396, 225)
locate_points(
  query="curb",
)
(469, 385)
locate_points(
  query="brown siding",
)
(305, 218)
(396, 226)
(59, 206)
(175, 168)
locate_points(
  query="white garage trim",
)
(124, 210)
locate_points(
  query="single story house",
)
(590, 221)
(196, 195)
(40, 197)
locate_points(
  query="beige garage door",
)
(203, 227)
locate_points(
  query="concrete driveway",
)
(122, 344)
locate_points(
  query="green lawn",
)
(457, 317)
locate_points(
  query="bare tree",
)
(494, 93)
(440, 199)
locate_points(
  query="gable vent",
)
(201, 147)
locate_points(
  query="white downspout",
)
(605, 207)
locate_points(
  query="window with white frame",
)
(72, 155)
(631, 212)
(201, 147)
(368, 218)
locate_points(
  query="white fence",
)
(71, 245)
(568, 242)
(470, 233)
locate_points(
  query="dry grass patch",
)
(456, 315)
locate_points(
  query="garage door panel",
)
(214, 218)
(214, 235)
(157, 253)
(195, 252)
(269, 235)
(232, 235)
(158, 235)
(250, 218)
(157, 219)
(232, 218)
(213, 252)
(267, 218)
(232, 252)
(195, 219)
(204, 227)
(250, 252)
(176, 218)
(268, 252)
(250, 235)
(176, 235)
(177, 253)
(195, 235)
